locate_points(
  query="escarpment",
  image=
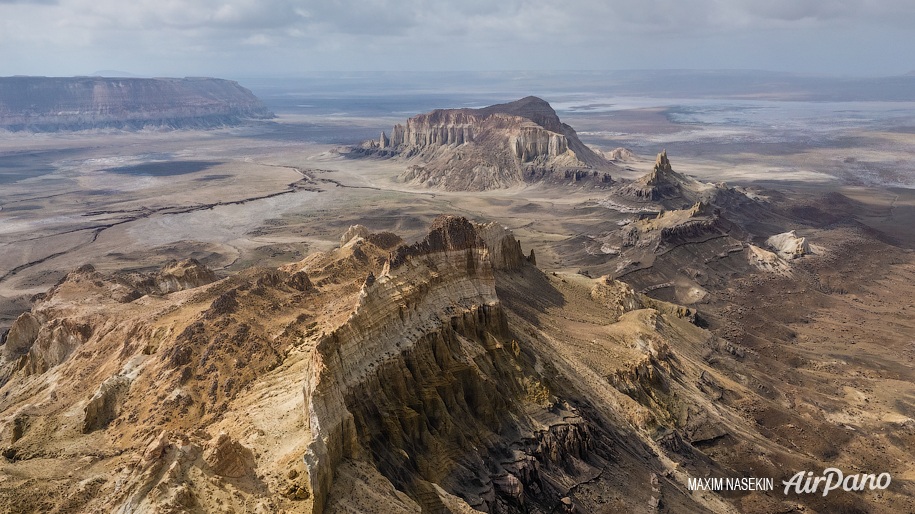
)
(50, 104)
(490, 148)
(405, 362)
(428, 382)
(447, 374)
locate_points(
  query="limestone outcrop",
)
(50, 104)
(49, 334)
(767, 261)
(620, 154)
(789, 245)
(494, 147)
(670, 228)
(20, 337)
(352, 233)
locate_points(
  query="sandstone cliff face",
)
(423, 377)
(494, 147)
(48, 104)
(426, 317)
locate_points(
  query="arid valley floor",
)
(635, 365)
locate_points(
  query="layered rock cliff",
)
(494, 147)
(48, 104)
(446, 375)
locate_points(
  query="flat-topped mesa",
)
(493, 147)
(50, 104)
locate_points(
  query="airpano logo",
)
(832, 479)
(802, 482)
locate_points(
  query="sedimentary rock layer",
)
(494, 147)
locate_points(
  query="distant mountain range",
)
(50, 104)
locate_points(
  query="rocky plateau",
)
(50, 104)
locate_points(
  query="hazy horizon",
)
(366, 73)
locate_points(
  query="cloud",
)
(416, 34)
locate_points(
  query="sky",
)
(291, 38)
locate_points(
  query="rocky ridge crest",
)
(379, 375)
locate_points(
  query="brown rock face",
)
(494, 147)
(454, 233)
(47, 336)
(352, 233)
(48, 104)
(21, 336)
(105, 404)
(448, 375)
(174, 276)
(180, 275)
(228, 458)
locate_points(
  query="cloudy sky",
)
(250, 38)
